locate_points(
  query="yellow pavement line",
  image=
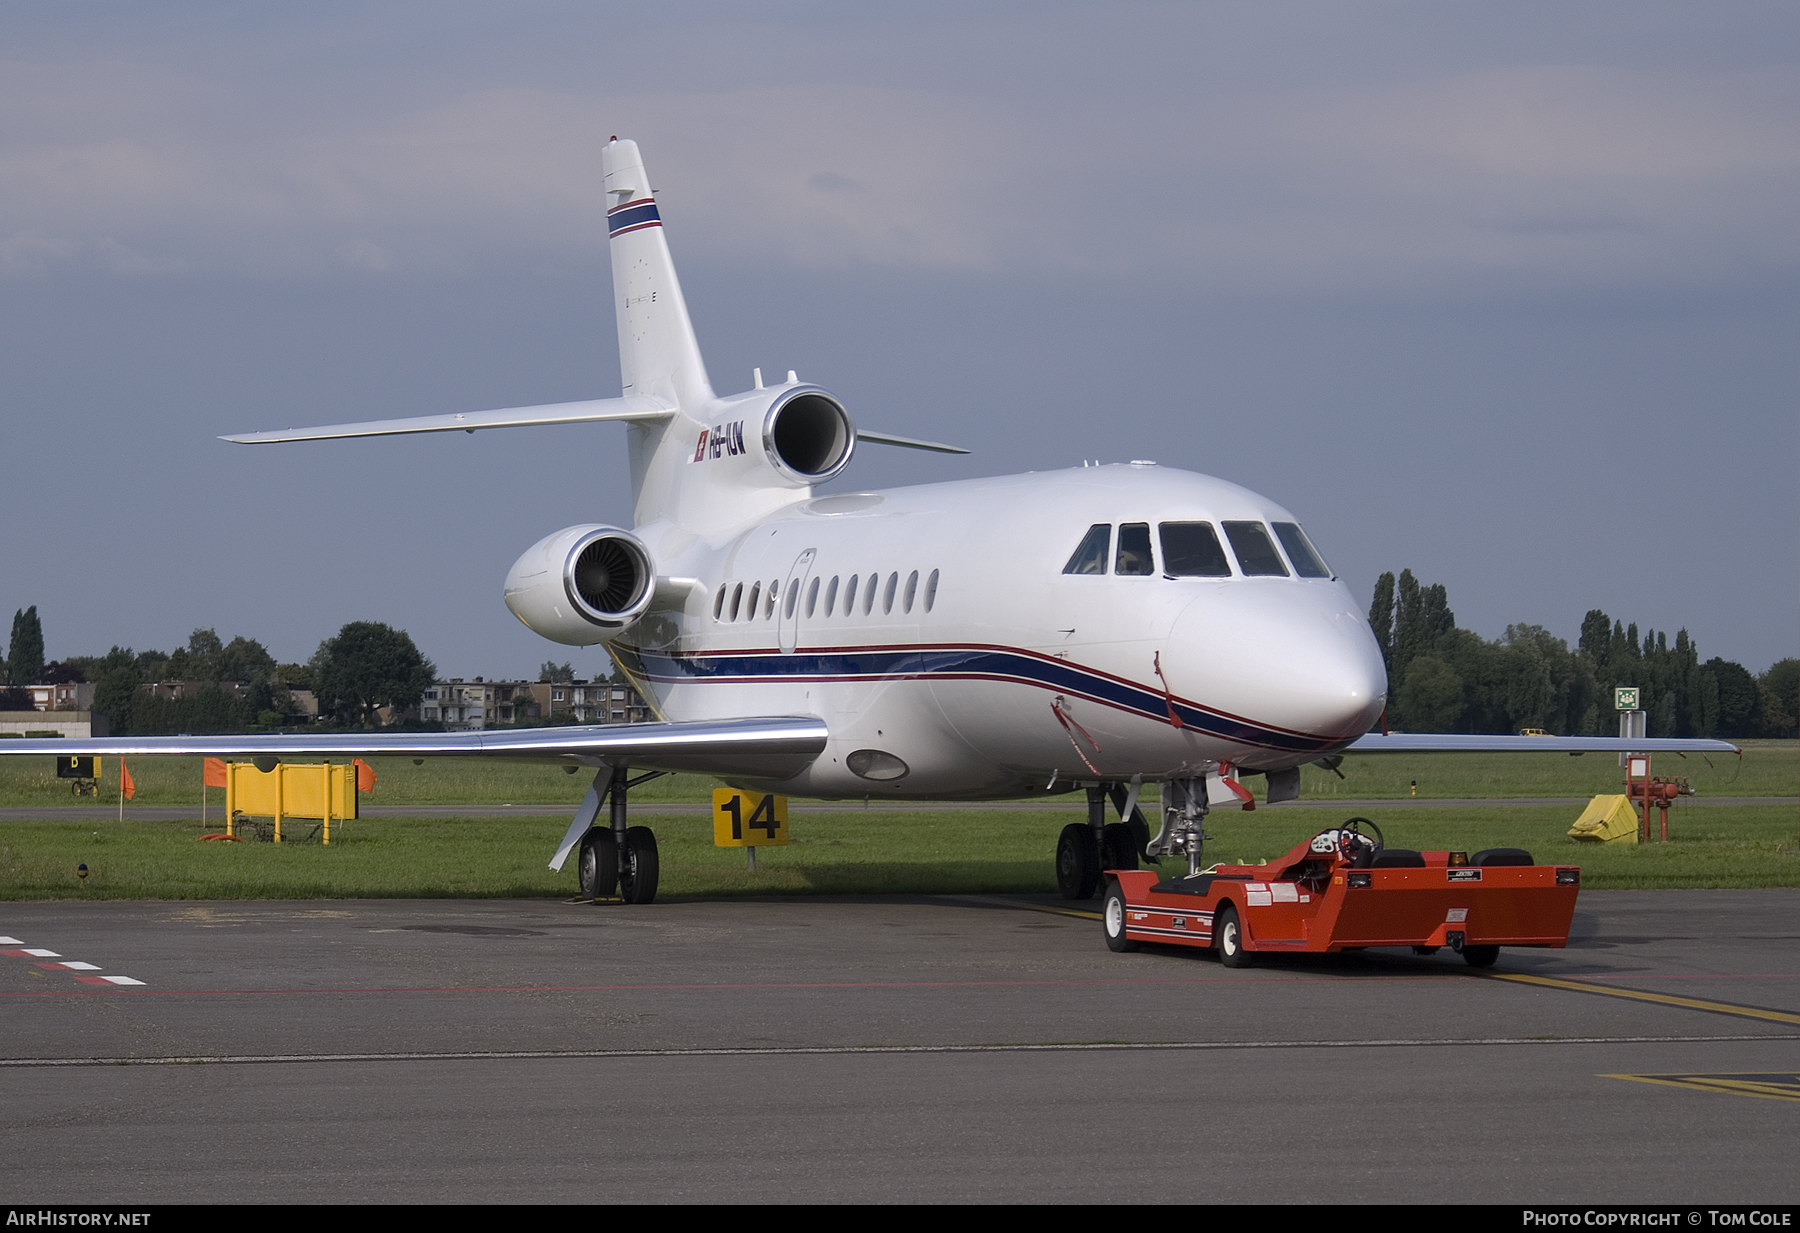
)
(1039, 907)
(1722, 1084)
(996, 901)
(1723, 1008)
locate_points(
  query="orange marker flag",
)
(214, 775)
(126, 788)
(365, 775)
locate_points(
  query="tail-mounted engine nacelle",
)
(582, 585)
(800, 432)
(807, 435)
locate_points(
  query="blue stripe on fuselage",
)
(951, 663)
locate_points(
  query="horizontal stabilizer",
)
(1451, 742)
(772, 748)
(594, 410)
(888, 438)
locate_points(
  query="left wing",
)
(592, 411)
(1450, 742)
(775, 747)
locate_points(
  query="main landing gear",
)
(617, 856)
(1084, 852)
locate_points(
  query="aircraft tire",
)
(1480, 956)
(1077, 864)
(1228, 937)
(597, 866)
(1114, 917)
(1119, 847)
(639, 870)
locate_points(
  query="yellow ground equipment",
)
(1607, 819)
(290, 791)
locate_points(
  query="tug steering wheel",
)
(1350, 844)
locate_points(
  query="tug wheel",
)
(1114, 916)
(1228, 937)
(1480, 956)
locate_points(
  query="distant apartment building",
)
(75, 696)
(460, 704)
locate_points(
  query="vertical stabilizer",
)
(658, 355)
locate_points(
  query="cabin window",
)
(793, 598)
(812, 597)
(1307, 562)
(769, 603)
(1134, 550)
(1192, 550)
(869, 593)
(755, 594)
(850, 596)
(831, 596)
(931, 590)
(912, 589)
(719, 602)
(1255, 551)
(737, 598)
(1090, 554)
(887, 596)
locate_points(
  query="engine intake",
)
(808, 435)
(582, 585)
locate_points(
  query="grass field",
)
(875, 851)
(833, 852)
(1767, 768)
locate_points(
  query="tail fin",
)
(658, 354)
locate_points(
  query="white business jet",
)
(1092, 629)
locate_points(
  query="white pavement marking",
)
(73, 965)
(488, 1055)
(38, 952)
(10, 942)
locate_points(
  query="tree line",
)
(240, 687)
(1445, 679)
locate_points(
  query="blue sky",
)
(1503, 294)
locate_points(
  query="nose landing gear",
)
(1184, 817)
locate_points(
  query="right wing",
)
(766, 748)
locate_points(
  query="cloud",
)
(1559, 176)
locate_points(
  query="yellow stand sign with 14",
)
(749, 820)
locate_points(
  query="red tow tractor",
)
(1344, 889)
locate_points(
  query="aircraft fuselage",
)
(936, 632)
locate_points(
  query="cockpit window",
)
(1300, 550)
(1192, 550)
(1134, 549)
(1255, 552)
(1090, 557)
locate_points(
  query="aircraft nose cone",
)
(1289, 655)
